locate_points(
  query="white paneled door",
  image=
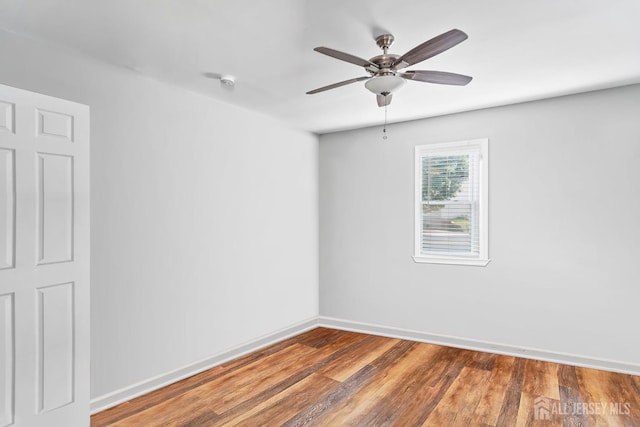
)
(44, 260)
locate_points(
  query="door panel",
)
(44, 260)
(7, 208)
(55, 346)
(6, 116)
(55, 208)
(6, 359)
(55, 124)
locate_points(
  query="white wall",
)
(204, 216)
(564, 236)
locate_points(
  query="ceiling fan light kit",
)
(384, 76)
(384, 85)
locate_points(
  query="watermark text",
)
(545, 408)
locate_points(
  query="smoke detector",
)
(228, 81)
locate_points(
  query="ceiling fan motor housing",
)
(384, 63)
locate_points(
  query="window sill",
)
(451, 261)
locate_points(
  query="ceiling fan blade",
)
(430, 48)
(439, 77)
(335, 85)
(346, 57)
(383, 100)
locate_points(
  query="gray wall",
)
(204, 216)
(204, 222)
(564, 238)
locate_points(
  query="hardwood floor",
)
(327, 377)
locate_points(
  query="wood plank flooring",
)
(327, 377)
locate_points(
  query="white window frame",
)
(482, 259)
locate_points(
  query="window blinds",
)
(450, 198)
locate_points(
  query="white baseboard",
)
(125, 394)
(478, 345)
(119, 396)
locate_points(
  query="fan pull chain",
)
(384, 129)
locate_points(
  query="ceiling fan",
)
(384, 76)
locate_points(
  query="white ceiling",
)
(516, 51)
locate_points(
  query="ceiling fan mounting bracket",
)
(385, 41)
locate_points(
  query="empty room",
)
(323, 213)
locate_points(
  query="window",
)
(451, 223)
